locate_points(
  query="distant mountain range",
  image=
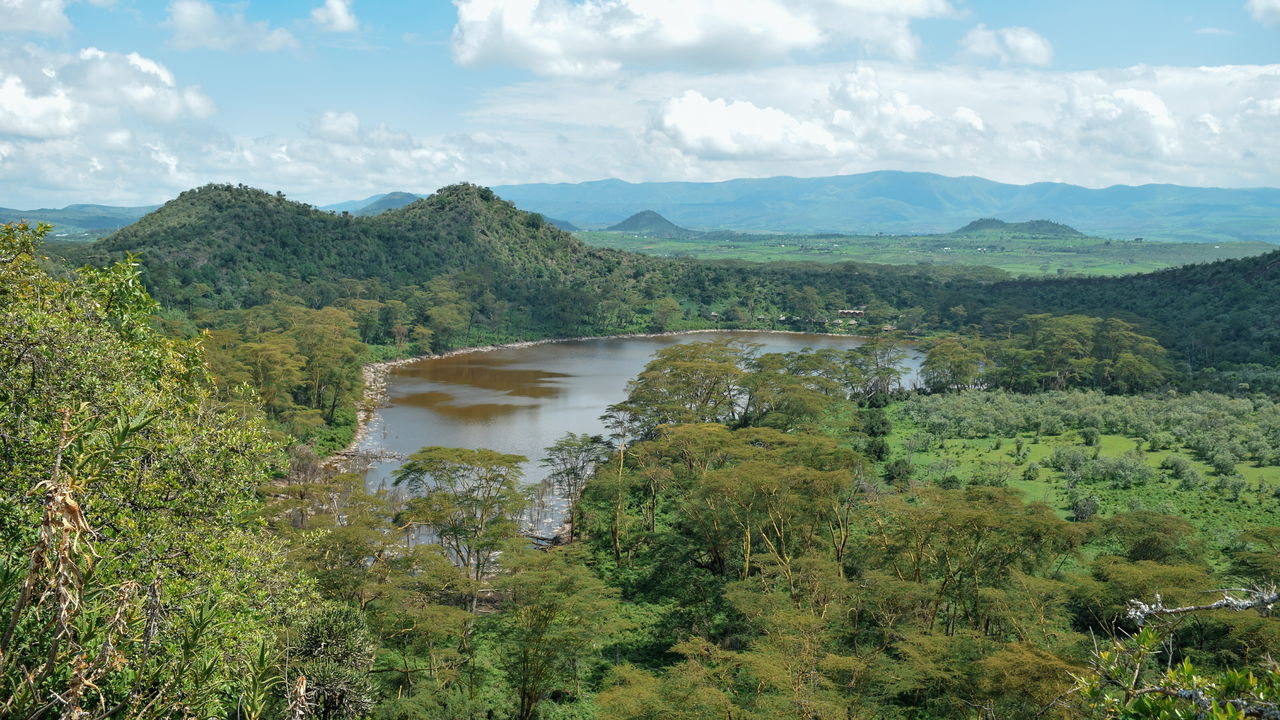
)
(870, 203)
(79, 219)
(903, 202)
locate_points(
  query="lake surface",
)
(522, 399)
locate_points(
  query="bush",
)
(335, 692)
(338, 634)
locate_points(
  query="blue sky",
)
(131, 101)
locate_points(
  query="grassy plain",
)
(1016, 253)
(1211, 506)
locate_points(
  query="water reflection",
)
(521, 400)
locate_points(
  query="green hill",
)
(225, 236)
(563, 225)
(1209, 314)
(650, 223)
(1031, 227)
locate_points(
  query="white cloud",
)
(1265, 11)
(33, 16)
(1126, 121)
(716, 129)
(1010, 45)
(39, 116)
(341, 127)
(197, 24)
(595, 38)
(45, 95)
(335, 16)
(44, 17)
(111, 83)
(1197, 126)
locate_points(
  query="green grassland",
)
(1213, 505)
(1017, 253)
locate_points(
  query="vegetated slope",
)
(390, 201)
(79, 218)
(1031, 227)
(227, 236)
(1221, 312)
(648, 222)
(902, 202)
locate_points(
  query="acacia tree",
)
(572, 460)
(556, 613)
(950, 365)
(470, 499)
(688, 383)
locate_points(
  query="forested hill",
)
(648, 222)
(1031, 227)
(228, 238)
(1222, 312)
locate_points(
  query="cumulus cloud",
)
(335, 16)
(1126, 121)
(198, 24)
(1009, 45)
(1265, 11)
(599, 37)
(23, 112)
(33, 16)
(55, 95)
(340, 127)
(1203, 125)
(721, 129)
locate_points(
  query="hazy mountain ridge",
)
(390, 201)
(905, 202)
(79, 218)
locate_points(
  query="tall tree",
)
(471, 501)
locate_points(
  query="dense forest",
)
(1044, 529)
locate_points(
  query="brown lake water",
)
(522, 399)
